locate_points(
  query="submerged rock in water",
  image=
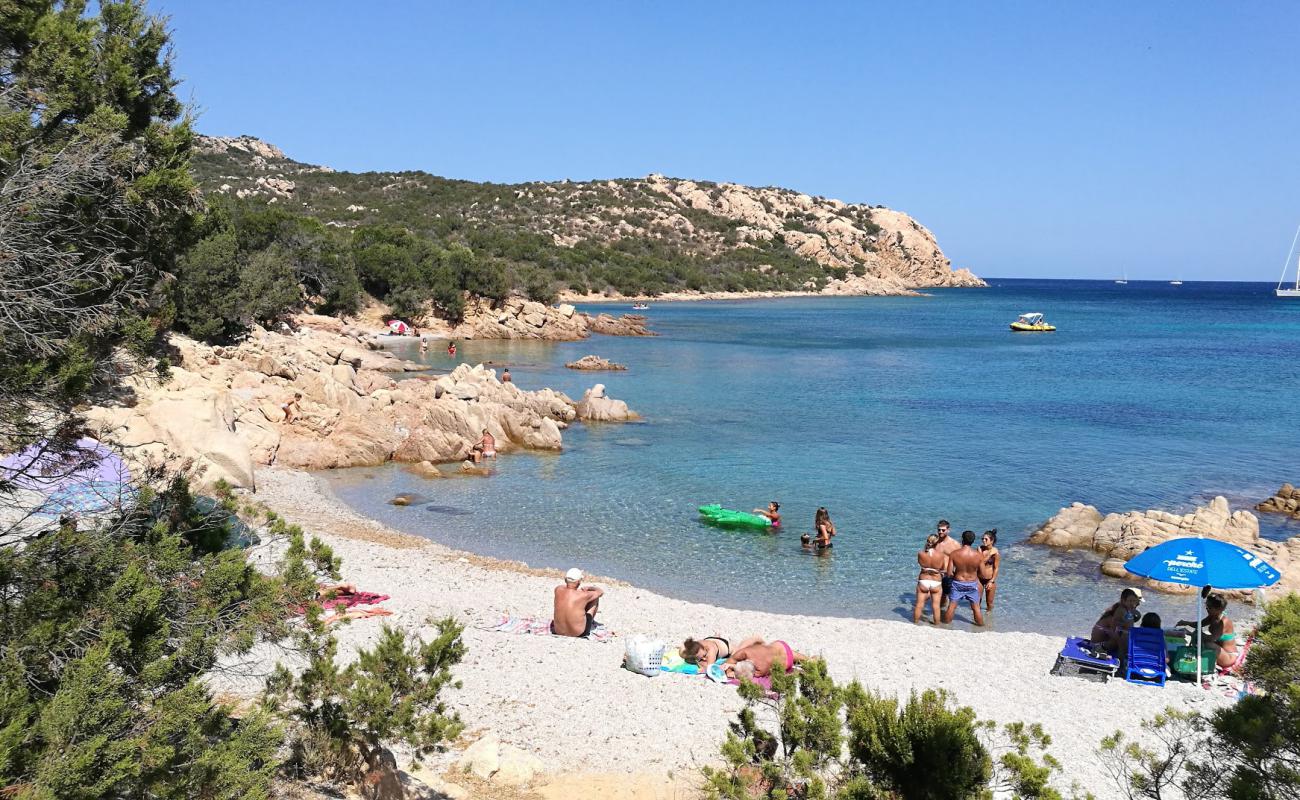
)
(408, 499)
(451, 511)
(593, 363)
(1286, 501)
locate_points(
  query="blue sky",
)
(1034, 138)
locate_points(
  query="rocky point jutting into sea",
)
(1121, 536)
(222, 409)
(850, 248)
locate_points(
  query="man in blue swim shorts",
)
(965, 567)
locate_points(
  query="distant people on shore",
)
(485, 447)
(992, 562)
(505, 376)
(964, 567)
(945, 544)
(290, 408)
(756, 658)
(1111, 629)
(929, 584)
(575, 606)
(1217, 630)
(772, 512)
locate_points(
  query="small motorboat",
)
(1032, 323)
(640, 307)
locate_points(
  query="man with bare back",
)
(964, 565)
(575, 606)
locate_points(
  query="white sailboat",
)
(1124, 279)
(1176, 282)
(1291, 291)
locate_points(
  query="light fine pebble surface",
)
(569, 702)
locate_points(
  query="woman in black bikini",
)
(703, 652)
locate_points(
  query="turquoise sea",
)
(892, 412)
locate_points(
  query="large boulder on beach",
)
(1119, 537)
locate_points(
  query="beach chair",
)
(1147, 658)
(1081, 658)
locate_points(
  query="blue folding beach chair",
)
(1147, 661)
(1083, 659)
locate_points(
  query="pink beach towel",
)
(349, 599)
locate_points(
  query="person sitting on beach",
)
(772, 512)
(929, 584)
(964, 567)
(1111, 630)
(945, 544)
(483, 448)
(1151, 620)
(505, 376)
(704, 652)
(990, 566)
(1220, 630)
(290, 408)
(575, 606)
(761, 655)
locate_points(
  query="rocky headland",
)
(1121, 536)
(222, 412)
(761, 233)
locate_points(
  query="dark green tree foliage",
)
(344, 716)
(1256, 746)
(98, 194)
(104, 633)
(257, 263)
(845, 743)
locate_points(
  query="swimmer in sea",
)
(773, 512)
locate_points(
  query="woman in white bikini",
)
(929, 584)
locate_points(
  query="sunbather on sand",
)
(704, 652)
(762, 655)
(1218, 629)
(575, 606)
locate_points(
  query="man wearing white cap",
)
(575, 606)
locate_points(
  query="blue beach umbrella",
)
(1203, 562)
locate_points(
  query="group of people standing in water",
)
(953, 572)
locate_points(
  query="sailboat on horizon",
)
(1293, 291)
(1123, 280)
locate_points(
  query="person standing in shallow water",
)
(945, 544)
(964, 565)
(929, 584)
(990, 566)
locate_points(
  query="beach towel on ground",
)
(349, 599)
(542, 627)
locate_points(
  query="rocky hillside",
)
(649, 235)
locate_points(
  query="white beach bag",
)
(644, 655)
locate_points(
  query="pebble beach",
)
(570, 703)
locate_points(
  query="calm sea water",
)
(892, 412)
